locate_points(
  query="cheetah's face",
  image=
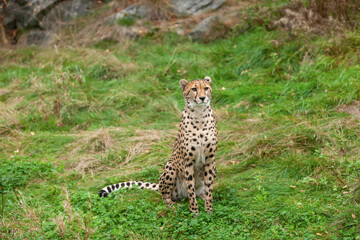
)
(197, 93)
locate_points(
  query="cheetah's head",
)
(197, 93)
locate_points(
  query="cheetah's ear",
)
(208, 79)
(183, 84)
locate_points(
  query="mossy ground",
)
(76, 119)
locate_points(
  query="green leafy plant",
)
(126, 21)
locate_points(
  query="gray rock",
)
(33, 11)
(80, 8)
(37, 37)
(20, 2)
(206, 26)
(29, 14)
(189, 7)
(136, 10)
(63, 12)
(133, 11)
(12, 11)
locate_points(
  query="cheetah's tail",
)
(111, 188)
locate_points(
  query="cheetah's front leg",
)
(209, 176)
(190, 182)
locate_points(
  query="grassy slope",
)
(74, 120)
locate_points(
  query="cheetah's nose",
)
(202, 98)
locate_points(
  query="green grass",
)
(126, 21)
(73, 121)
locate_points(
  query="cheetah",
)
(191, 170)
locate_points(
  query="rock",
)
(20, 2)
(209, 28)
(48, 15)
(36, 37)
(80, 8)
(63, 12)
(136, 10)
(33, 11)
(12, 11)
(179, 29)
(27, 14)
(189, 7)
(132, 11)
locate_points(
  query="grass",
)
(126, 21)
(73, 120)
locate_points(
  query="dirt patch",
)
(353, 109)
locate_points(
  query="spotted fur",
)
(111, 188)
(191, 170)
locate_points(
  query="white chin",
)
(194, 105)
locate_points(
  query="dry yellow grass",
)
(57, 56)
(85, 154)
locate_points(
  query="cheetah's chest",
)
(200, 140)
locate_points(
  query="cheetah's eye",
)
(206, 88)
(194, 89)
